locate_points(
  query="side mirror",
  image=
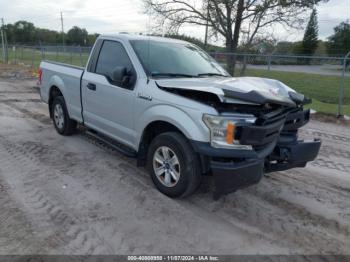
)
(121, 76)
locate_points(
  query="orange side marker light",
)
(230, 133)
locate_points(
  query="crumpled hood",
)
(249, 89)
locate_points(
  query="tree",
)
(298, 48)
(226, 17)
(321, 49)
(196, 41)
(284, 48)
(339, 42)
(77, 36)
(310, 41)
(91, 38)
(21, 32)
(47, 36)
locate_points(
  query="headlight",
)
(223, 129)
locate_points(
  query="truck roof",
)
(130, 37)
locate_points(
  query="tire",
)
(187, 171)
(63, 124)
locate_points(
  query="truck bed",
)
(69, 79)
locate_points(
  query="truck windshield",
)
(166, 59)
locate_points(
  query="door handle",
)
(143, 96)
(91, 86)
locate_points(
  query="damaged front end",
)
(276, 147)
(278, 128)
(269, 143)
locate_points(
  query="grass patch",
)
(327, 108)
(324, 90)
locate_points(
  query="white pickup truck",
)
(172, 106)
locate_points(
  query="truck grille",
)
(267, 129)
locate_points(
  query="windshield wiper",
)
(172, 75)
(212, 74)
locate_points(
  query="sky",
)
(115, 16)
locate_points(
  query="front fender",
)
(189, 122)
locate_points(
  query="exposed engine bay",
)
(273, 137)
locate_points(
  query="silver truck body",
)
(113, 110)
(123, 114)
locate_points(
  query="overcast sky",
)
(112, 16)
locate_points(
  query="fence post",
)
(269, 63)
(14, 48)
(81, 56)
(215, 55)
(244, 66)
(56, 53)
(231, 63)
(342, 87)
(71, 55)
(6, 53)
(42, 52)
(3, 46)
(33, 49)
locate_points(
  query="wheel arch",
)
(53, 93)
(152, 130)
(57, 88)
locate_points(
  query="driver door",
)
(107, 107)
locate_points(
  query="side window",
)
(112, 55)
(94, 56)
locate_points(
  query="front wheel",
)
(173, 165)
(63, 124)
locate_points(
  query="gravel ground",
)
(74, 195)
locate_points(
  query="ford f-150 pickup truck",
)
(172, 106)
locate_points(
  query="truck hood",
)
(250, 90)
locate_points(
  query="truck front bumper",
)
(229, 177)
(233, 174)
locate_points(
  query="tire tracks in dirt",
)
(331, 155)
(267, 208)
(16, 229)
(43, 119)
(70, 233)
(320, 134)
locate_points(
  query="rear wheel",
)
(63, 124)
(173, 165)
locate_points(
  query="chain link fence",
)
(324, 79)
(309, 64)
(33, 55)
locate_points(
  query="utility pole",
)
(62, 29)
(3, 44)
(207, 27)
(3, 41)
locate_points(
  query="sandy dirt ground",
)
(74, 195)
